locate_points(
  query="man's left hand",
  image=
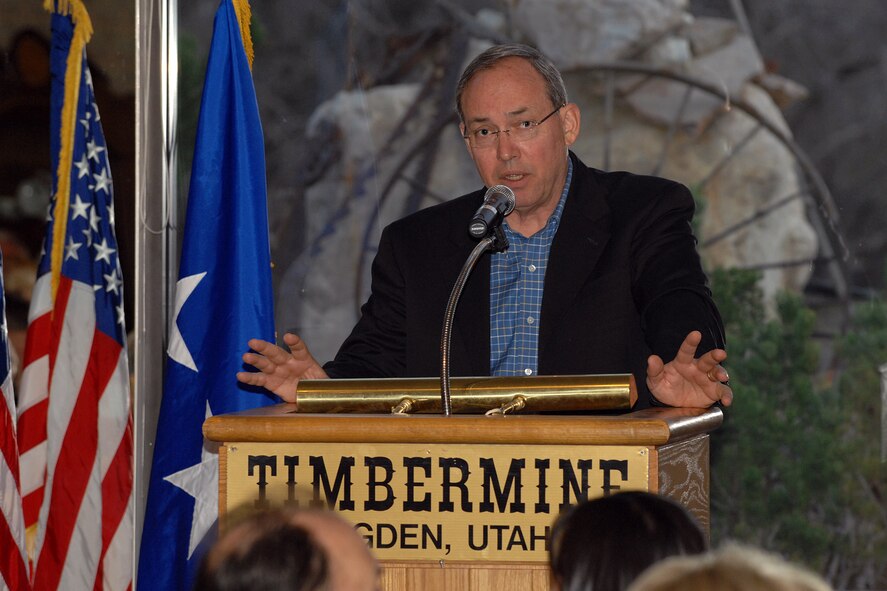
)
(689, 382)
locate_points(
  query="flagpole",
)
(158, 230)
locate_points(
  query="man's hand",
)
(689, 382)
(280, 370)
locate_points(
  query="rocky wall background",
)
(838, 52)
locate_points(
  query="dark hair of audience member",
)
(605, 543)
(266, 552)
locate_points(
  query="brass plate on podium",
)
(440, 501)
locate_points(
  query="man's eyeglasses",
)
(484, 137)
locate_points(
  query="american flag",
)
(75, 429)
(13, 560)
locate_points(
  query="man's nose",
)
(506, 147)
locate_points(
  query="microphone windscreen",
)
(505, 192)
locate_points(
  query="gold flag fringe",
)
(73, 71)
(244, 16)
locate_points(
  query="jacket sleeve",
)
(670, 286)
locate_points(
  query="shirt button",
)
(528, 371)
(531, 268)
(530, 320)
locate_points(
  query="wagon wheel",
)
(617, 84)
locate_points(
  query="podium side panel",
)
(684, 476)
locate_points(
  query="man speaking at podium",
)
(601, 275)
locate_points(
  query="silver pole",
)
(155, 241)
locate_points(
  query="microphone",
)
(498, 203)
(486, 226)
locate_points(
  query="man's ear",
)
(571, 120)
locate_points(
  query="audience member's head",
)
(291, 551)
(605, 543)
(732, 568)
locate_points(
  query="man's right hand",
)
(280, 370)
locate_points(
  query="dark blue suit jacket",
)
(624, 280)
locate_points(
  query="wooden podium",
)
(465, 501)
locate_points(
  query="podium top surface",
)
(281, 423)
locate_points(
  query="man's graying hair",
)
(489, 58)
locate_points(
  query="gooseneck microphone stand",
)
(494, 241)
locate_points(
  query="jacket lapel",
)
(472, 326)
(470, 347)
(581, 238)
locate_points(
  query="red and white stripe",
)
(75, 394)
(13, 558)
(34, 401)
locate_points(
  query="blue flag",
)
(223, 298)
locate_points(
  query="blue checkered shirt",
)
(517, 278)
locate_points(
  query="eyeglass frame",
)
(534, 125)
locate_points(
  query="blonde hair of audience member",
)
(733, 568)
(292, 550)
